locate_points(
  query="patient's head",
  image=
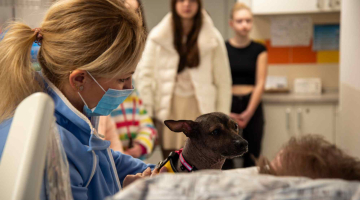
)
(312, 156)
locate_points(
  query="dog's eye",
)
(215, 132)
(236, 126)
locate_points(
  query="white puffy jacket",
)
(157, 70)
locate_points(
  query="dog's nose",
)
(241, 144)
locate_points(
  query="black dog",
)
(212, 138)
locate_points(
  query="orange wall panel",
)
(303, 54)
(277, 55)
(287, 55)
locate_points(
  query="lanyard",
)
(126, 124)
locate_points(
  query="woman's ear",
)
(231, 23)
(77, 79)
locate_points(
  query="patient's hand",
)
(157, 171)
(147, 173)
(131, 178)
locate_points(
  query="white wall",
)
(5, 15)
(350, 42)
(349, 136)
(30, 12)
(31, 16)
(155, 10)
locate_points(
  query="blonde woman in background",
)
(89, 51)
(184, 71)
(248, 62)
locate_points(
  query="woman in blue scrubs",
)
(89, 50)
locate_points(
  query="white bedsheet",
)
(238, 184)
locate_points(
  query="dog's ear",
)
(186, 126)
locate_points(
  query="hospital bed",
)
(242, 184)
(32, 137)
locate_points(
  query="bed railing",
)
(23, 159)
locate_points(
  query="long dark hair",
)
(189, 53)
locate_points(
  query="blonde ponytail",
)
(17, 76)
(103, 37)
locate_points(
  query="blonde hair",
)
(100, 36)
(239, 6)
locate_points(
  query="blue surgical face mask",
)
(109, 102)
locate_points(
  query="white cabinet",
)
(282, 121)
(277, 128)
(294, 6)
(316, 119)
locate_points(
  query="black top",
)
(243, 62)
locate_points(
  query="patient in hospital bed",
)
(307, 167)
(314, 157)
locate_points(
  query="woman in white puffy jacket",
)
(184, 71)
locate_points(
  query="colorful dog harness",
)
(170, 163)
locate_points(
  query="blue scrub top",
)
(96, 171)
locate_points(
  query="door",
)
(316, 119)
(278, 128)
